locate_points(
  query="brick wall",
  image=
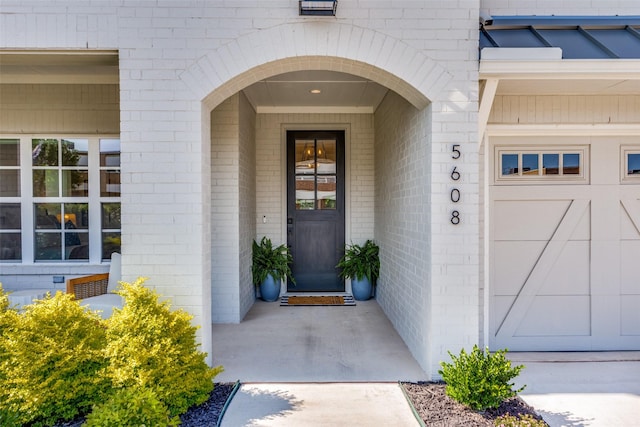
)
(403, 222)
(247, 202)
(179, 60)
(271, 172)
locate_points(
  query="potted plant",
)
(362, 265)
(270, 267)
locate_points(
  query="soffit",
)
(597, 55)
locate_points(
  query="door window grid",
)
(64, 187)
(541, 165)
(315, 176)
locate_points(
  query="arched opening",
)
(386, 153)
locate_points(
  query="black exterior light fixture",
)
(318, 7)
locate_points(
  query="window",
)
(541, 165)
(631, 164)
(62, 202)
(10, 210)
(316, 179)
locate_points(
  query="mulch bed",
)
(437, 409)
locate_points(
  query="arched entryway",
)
(387, 150)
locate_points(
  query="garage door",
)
(564, 244)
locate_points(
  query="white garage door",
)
(565, 244)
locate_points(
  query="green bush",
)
(131, 407)
(8, 417)
(51, 363)
(150, 346)
(480, 380)
(526, 420)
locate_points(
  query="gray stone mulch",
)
(439, 410)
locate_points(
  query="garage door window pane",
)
(571, 164)
(530, 164)
(633, 164)
(550, 164)
(509, 164)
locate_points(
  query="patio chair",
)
(97, 290)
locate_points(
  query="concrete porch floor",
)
(313, 344)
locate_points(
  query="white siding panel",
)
(547, 109)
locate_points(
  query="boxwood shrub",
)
(58, 361)
(53, 356)
(151, 346)
(480, 379)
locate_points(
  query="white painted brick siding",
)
(247, 202)
(183, 189)
(270, 190)
(402, 222)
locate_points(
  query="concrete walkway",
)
(313, 344)
(339, 366)
(315, 405)
(592, 389)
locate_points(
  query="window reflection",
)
(530, 164)
(571, 164)
(316, 179)
(550, 164)
(633, 164)
(509, 164)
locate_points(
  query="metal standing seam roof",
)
(579, 37)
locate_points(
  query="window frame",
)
(625, 177)
(27, 200)
(521, 178)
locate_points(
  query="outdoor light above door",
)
(318, 7)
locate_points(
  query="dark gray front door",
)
(315, 209)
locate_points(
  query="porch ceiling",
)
(294, 89)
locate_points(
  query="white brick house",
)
(200, 96)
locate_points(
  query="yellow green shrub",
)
(53, 357)
(8, 417)
(519, 420)
(151, 346)
(133, 406)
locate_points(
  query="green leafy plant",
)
(8, 318)
(480, 379)
(359, 262)
(133, 406)
(270, 260)
(526, 420)
(151, 346)
(52, 357)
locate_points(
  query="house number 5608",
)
(455, 176)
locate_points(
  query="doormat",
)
(317, 300)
